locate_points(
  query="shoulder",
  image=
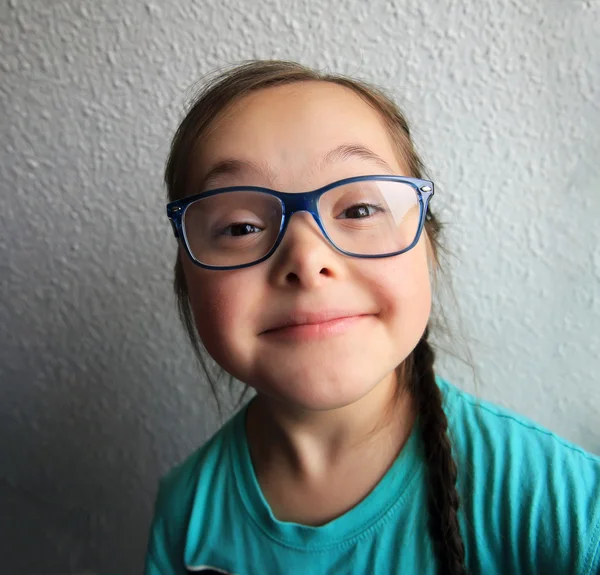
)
(527, 481)
(473, 420)
(180, 485)
(191, 484)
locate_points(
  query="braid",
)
(443, 497)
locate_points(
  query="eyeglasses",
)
(363, 217)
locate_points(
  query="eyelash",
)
(238, 224)
(377, 208)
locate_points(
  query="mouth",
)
(315, 325)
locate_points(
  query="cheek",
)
(219, 302)
(405, 292)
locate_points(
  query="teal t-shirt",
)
(530, 503)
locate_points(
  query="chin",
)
(321, 393)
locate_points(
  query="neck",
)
(310, 444)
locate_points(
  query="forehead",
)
(291, 128)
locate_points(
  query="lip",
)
(308, 326)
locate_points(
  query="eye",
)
(240, 229)
(360, 211)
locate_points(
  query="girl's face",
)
(281, 137)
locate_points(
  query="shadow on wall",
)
(39, 536)
(77, 457)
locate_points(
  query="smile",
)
(315, 329)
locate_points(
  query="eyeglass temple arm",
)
(175, 218)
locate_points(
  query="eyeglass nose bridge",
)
(306, 202)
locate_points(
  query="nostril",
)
(292, 278)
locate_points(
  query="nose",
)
(305, 258)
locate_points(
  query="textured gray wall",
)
(99, 394)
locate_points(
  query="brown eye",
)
(240, 230)
(359, 211)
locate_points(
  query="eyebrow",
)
(351, 151)
(237, 167)
(232, 167)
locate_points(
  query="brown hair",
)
(217, 94)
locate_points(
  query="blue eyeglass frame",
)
(293, 202)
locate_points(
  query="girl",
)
(352, 457)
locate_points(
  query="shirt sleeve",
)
(531, 500)
(551, 505)
(167, 536)
(594, 553)
(571, 521)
